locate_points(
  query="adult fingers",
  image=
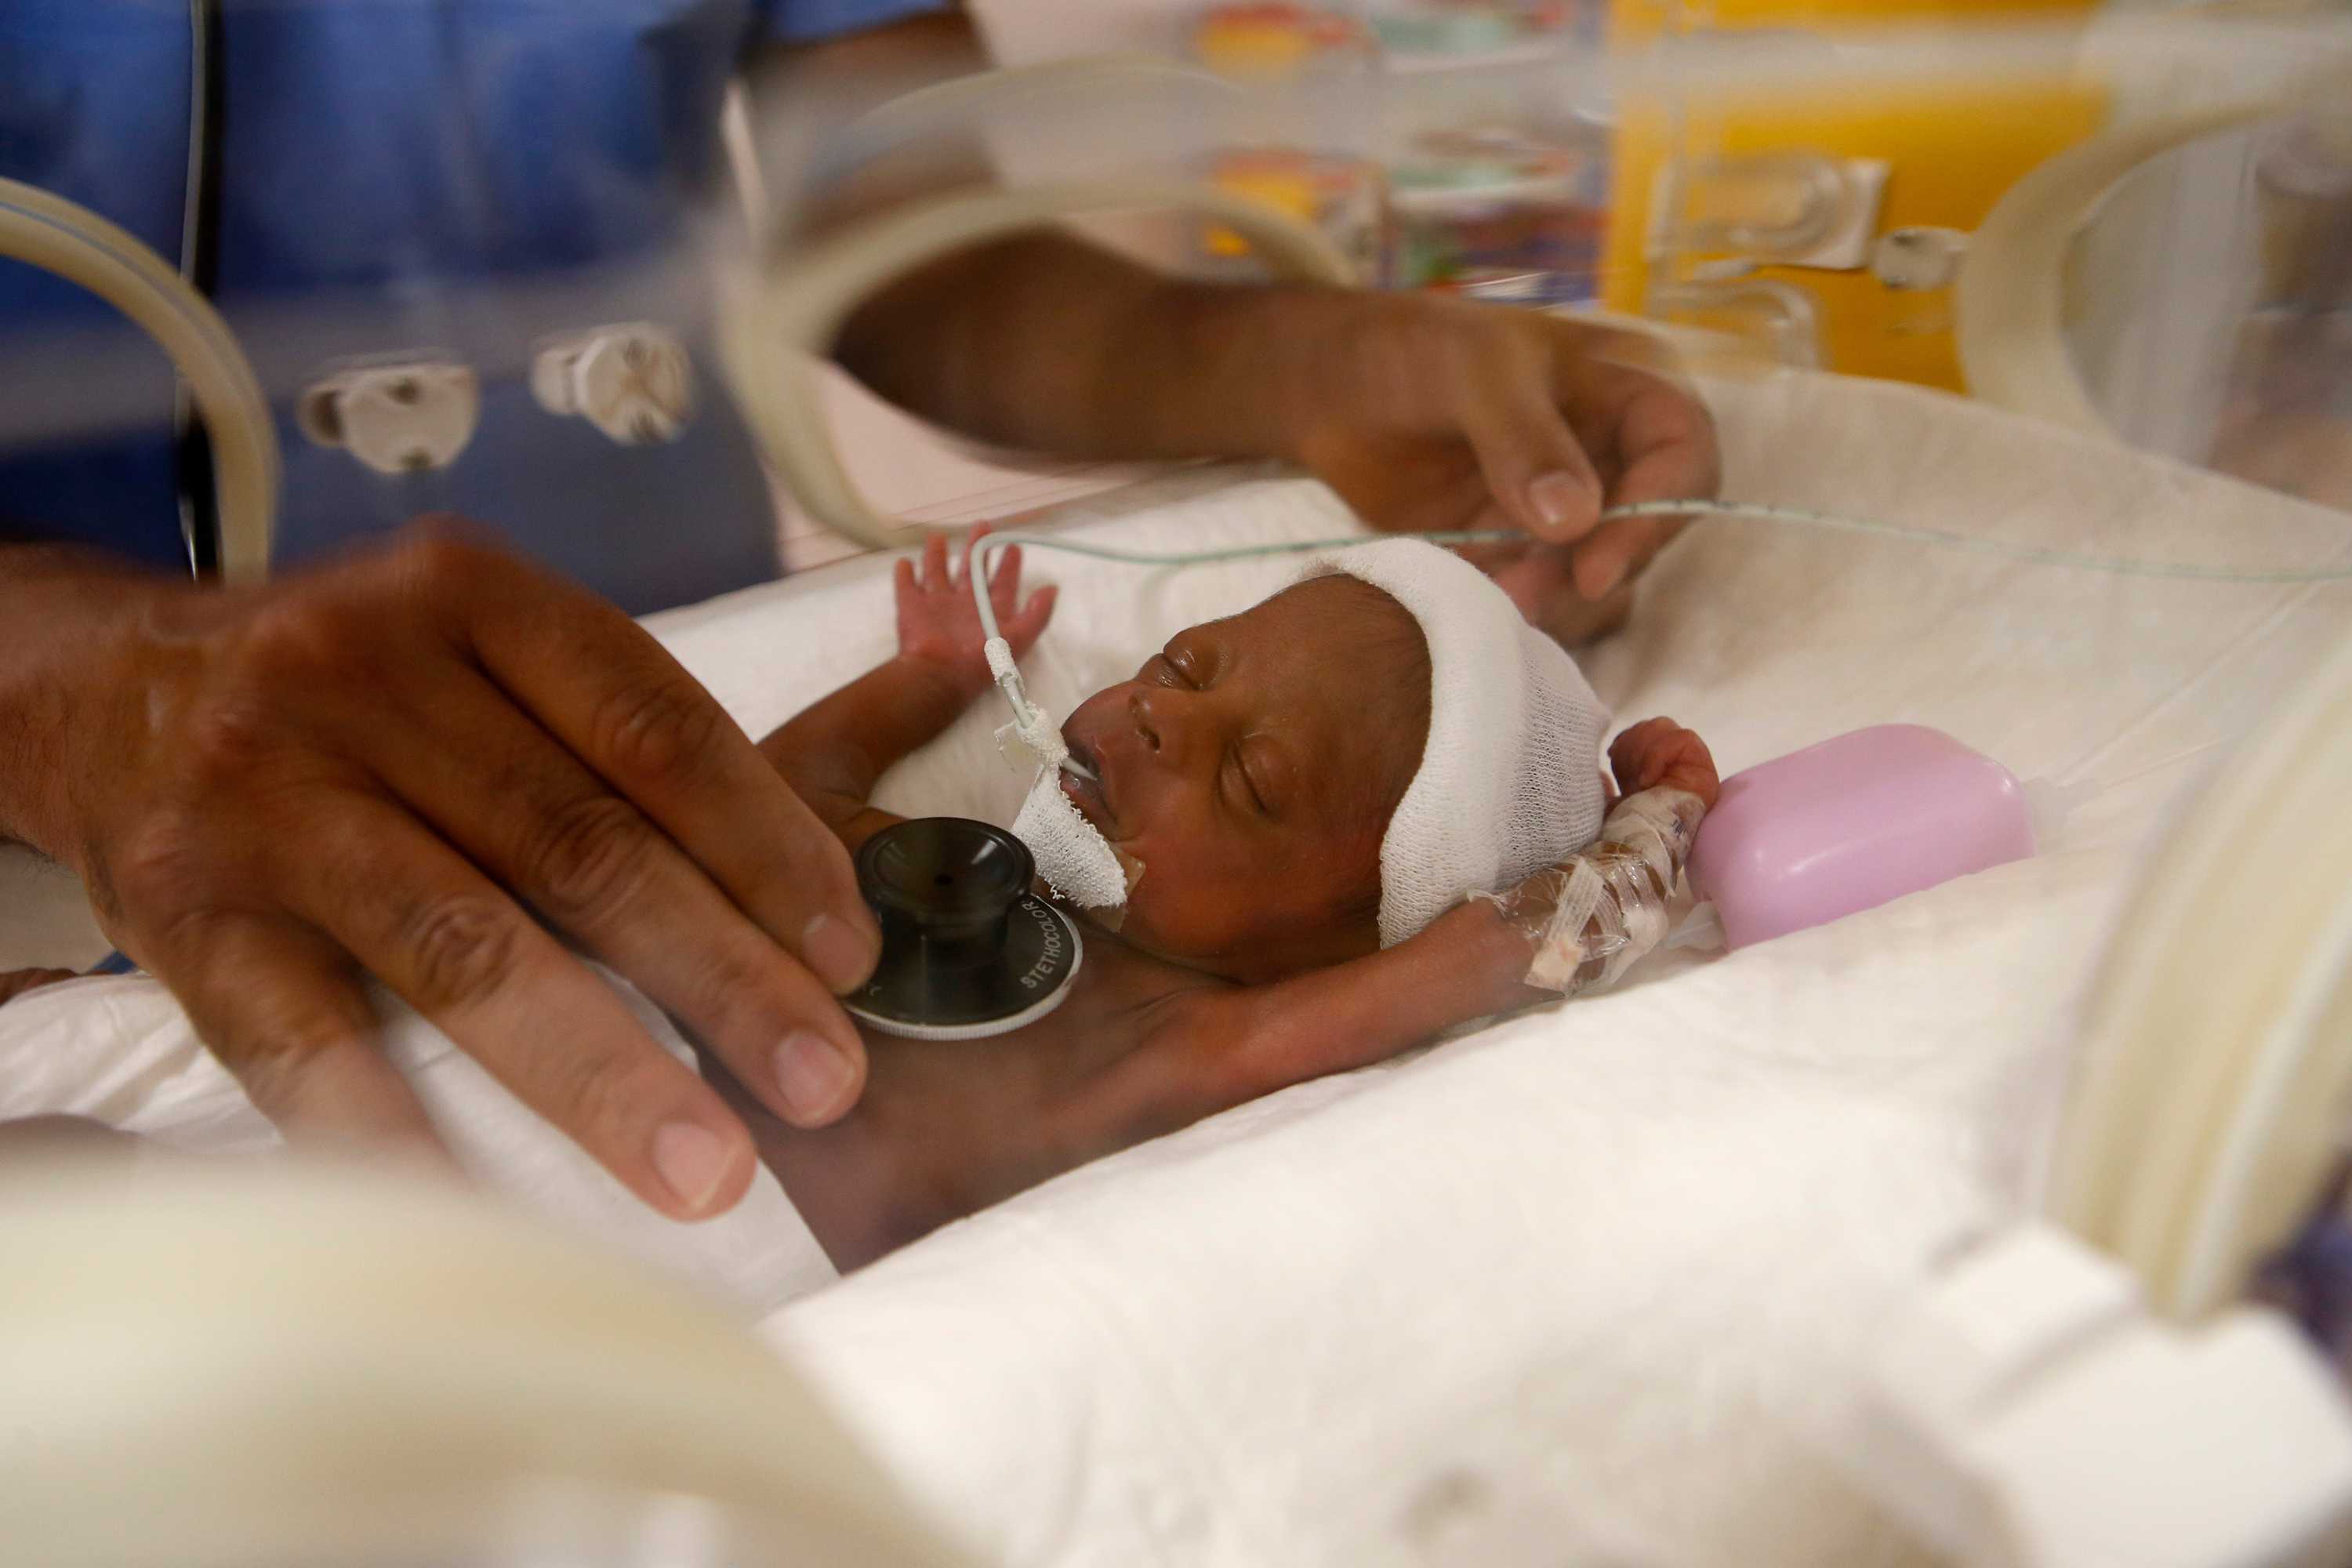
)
(1618, 549)
(1536, 469)
(1539, 579)
(1665, 442)
(526, 810)
(435, 931)
(16, 983)
(616, 699)
(282, 1009)
(1662, 444)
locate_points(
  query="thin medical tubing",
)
(76, 243)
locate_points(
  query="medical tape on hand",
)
(1657, 825)
(1560, 949)
(1611, 906)
(1651, 829)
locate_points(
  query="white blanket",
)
(1584, 1286)
(1589, 1285)
(120, 1050)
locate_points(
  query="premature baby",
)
(1313, 790)
(1366, 810)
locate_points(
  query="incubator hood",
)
(2134, 226)
(2129, 222)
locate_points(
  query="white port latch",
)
(401, 418)
(633, 382)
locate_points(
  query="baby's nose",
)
(1162, 721)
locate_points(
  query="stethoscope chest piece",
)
(968, 951)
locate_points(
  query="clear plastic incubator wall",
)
(2005, 1222)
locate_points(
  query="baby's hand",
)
(1659, 752)
(938, 625)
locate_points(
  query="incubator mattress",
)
(1584, 1286)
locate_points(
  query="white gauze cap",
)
(1510, 774)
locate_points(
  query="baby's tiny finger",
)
(1037, 612)
(935, 560)
(967, 553)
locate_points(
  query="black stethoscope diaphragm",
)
(967, 950)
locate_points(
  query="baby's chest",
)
(1113, 1008)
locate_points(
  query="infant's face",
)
(1251, 766)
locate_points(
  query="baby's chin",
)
(1147, 923)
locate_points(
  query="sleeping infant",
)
(1359, 813)
(1305, 796)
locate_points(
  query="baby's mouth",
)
(1086, 794)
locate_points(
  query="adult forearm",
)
(1053, 345)
(61, 608)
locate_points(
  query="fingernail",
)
(842, 956)
(1563, 500)
(692, 1160)
(812, 1074)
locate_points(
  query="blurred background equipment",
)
(2125, 219)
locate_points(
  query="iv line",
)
(1036, 729)
(2030, 555)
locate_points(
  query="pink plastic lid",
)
(1851, 823)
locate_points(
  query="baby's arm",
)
(1485, 955)
(834, 752)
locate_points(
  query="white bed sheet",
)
(1588, 1285)
(1585, 1285)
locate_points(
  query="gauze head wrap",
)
(1509, 780)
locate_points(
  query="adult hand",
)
(1438, 415)
(16, 983)
(401, 766)
(1425, 414)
